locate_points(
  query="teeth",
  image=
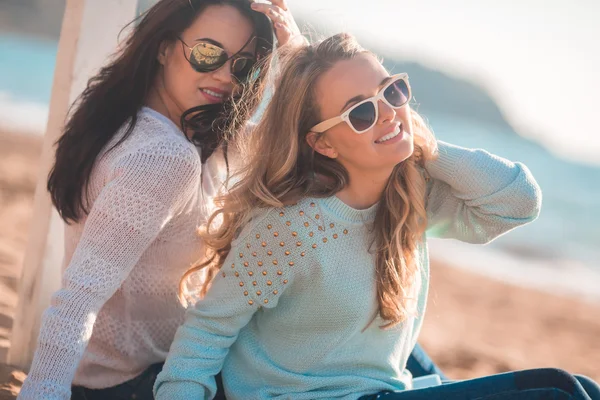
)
(210, 92)
(389, 136)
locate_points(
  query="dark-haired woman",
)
(132, 186)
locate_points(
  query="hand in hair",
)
(286, 29)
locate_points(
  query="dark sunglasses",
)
(362, 116)
(207, 57)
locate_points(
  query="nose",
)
(223, 74)
(386, 113)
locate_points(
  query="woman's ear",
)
(163, 52)
(320, 144)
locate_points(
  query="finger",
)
(283, 33)
(280, 3)
(268, 9)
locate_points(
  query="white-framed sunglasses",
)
(362, 116)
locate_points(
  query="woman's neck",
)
(364, 189)
(159, 101)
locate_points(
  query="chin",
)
(403, 151)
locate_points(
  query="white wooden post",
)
(88, 37)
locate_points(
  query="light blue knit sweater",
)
(289, 315)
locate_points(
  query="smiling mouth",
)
(214, 94)
(390, 135)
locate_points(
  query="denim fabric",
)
(537, 384)
(138, 388)
(419, 364)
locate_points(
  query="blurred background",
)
(516, 77)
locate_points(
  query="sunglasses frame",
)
(233, 57)
(345, 116)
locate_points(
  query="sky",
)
(538, 59)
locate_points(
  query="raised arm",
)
(475, 196)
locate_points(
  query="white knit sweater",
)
(117, 310)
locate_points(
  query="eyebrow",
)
(212, 41)
(360, 97)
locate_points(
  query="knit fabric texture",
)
(117, 311)
(293, 312)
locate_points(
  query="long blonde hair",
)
(281, 168)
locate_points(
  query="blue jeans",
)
(535, 384)
(139, 388)
(419, 364)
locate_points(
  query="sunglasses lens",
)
(241, 68)
(207, 57)
(397, 94)
(363, 116)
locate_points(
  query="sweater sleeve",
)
(475, 196)
(146, 188)
(254, 275)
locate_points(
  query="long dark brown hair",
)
(114, 96)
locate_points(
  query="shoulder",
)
(158, 147)
(290, 229)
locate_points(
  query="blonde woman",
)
(322, 257)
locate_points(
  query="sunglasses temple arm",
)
(328, 124)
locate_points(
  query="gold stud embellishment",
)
(254, 283)
(241, 284)
(291, 263)
(269, 283)
(335, 236)
(275, 291)
(275, 234)
(314, 246)
(345, 231)
(282, 244)
(260, 263)
(301, 213)
(269, 226)
(250, 302)
(279, 272)
(324, 240)
(264, 273)
(281, 214)
(258, 293)
(306, 224)
(287, 253)
(266, 301)
(250, 273)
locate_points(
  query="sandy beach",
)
(474, 325)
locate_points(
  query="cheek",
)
(181, 81)
(345, 140)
